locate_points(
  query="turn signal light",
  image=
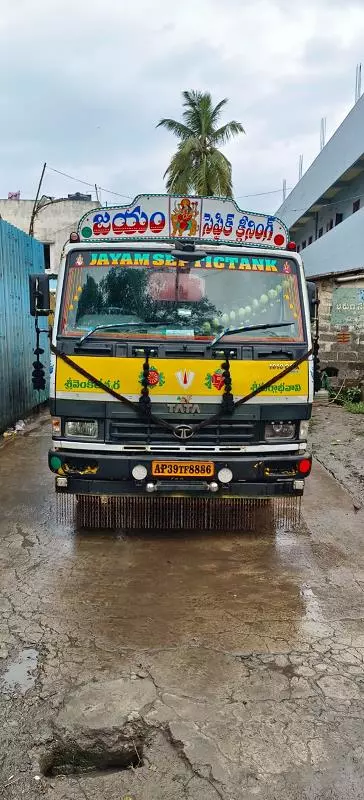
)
(292, 246)
(304, 466)
(56, 426)
(74, 237)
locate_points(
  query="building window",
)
(47, 255)
(310, 239)
(338, 219)
(303, 244)
(298, 248)
(356, 205)
(320, 233)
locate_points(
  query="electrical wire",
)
(86, 183)
(332, 204)
(262, 194)
(129, 197)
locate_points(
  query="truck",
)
(182, 365)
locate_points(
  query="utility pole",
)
(284, 189)
(323, 133)
(358, 83)
(35, 206)
(300, 167)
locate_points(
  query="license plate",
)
(182, 469)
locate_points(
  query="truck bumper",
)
(254, 475)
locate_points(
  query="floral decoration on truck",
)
(215, 380)
(155, 378)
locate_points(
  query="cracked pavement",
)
(236, 660)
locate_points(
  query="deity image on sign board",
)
(184, 218)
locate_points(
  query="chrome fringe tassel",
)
(65, 508)
(179, 513)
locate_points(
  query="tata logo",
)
(183, 432)
(184, 405)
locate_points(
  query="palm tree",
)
(198, 167)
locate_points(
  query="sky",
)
(84, 85)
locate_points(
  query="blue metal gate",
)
(20, 255)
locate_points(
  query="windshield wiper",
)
(119, 325)
(244, 328)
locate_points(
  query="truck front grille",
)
(225, 436)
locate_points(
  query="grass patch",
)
(354, 408)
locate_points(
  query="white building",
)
(55, 219)
(325, 210)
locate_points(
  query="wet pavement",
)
(194, 666)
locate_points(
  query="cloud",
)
(86, 85)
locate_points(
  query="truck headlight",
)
(279, 430)
(82, 428)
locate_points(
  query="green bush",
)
(354, 407)
(351, 394)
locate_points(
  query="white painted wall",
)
(53, 223)
(342, 203)
(341, 151)
(339, 250)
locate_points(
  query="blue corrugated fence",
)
(20, 255)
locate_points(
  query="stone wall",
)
(341, 342)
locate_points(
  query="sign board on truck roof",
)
(163, 217)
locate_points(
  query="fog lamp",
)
(139, 472)
(225, 475)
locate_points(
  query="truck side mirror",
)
(39, 295)
(312, 299)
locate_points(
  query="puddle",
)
(76, 760)
(21, 674)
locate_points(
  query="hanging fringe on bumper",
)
(179, 513)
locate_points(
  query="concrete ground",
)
(199, 666)
(337, 441)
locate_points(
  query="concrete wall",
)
(341, 204)
(53, 223)
(335, 180)
(341, 151)
(339, 250)
(348, 357)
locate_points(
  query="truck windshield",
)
(192, 301)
